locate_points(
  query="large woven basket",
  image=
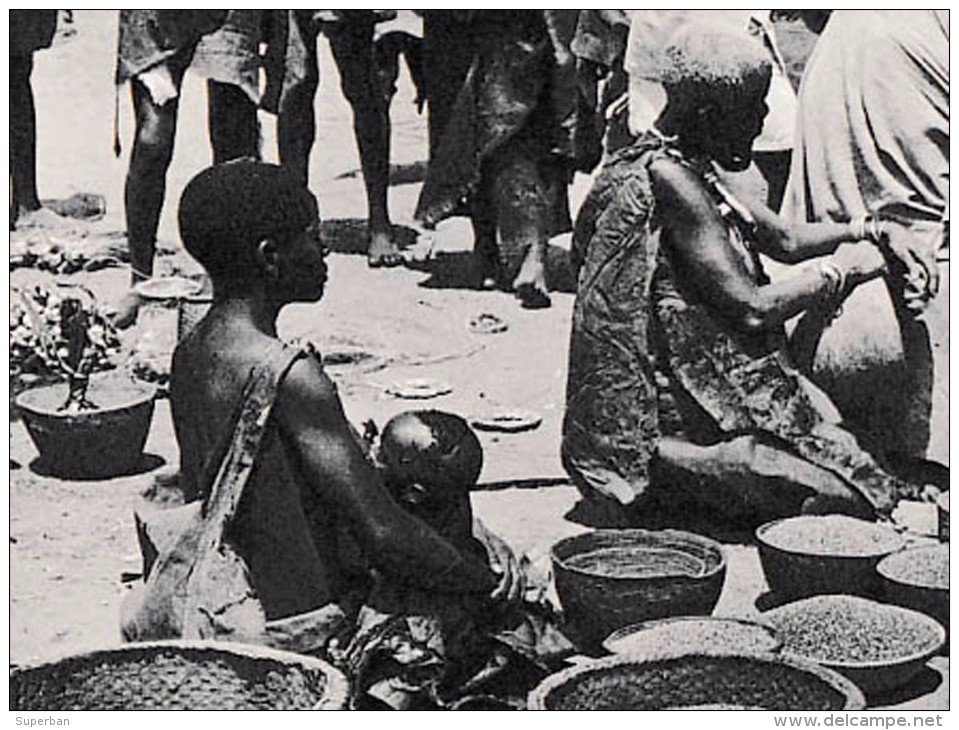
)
(180, 675)
(714, 680)
(685, 577)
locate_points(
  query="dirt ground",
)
(71, 540)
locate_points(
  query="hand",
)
(859, 262)
(511, 584)
(911, 251)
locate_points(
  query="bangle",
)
(857, 228)
(875, 229)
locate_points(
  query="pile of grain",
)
(925, 567)
(832, 535)
(847, 630)
(691, 634)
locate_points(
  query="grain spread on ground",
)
(637, 562)
(849, 630)
(927, 567)
(832, 535)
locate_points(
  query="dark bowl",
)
(811, 620)
(676, 680)
(608, 579)
(104, 442)
(904, 583)
(942, 513)
(797, 572)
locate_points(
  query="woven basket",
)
(681, 574)
(180, 675)
(672, 680)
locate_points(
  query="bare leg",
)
(23, 136)
(234, 131)
(296, 125)
(747, 476)
(146, 184)
(485, 250)
(352, 45)
(521, 217)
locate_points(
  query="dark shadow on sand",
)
(670, 510)
(457, 270)
(146, 464)
(351, 235)
(406, 174)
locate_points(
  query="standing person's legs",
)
(522, 220)
(234, 130)
(296, 122)
(146, 182)
(352, 44)
(23, 137)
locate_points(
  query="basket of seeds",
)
(674, 679)
(812, 554)
(180, 675)
(692, 633)
(878, 646)
(918, 578)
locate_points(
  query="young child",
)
(430, 460)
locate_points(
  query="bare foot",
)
(530, 283)
(383, 251)
(422, 250)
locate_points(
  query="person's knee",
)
(153, 144)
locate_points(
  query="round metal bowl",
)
(608, 579)
(795, 567)
(918, 578)
(692, 633)
(832, 631)
(677, 680)
(180, 675)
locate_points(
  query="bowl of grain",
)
(942, 512)
(701, 680)
(918, 578)
(813, 554)
(878, 646)
(692, 633)
(608, 579)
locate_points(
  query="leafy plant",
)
(63, 335)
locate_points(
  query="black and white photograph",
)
(479, 360)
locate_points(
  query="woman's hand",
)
(912, 260)
(859, 262)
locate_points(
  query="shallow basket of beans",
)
(878, 646)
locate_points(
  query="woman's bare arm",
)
(788, 242)
(698, 240)
(311, 416)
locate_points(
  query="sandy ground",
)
(71, 540)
